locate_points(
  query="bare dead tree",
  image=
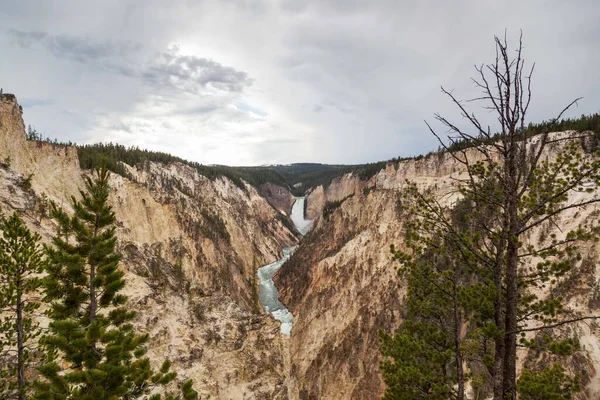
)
(529, 190)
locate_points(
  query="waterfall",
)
(303, 225)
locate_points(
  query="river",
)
(268, 295)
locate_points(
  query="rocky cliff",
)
(54, 170)
(191, 248)
(338, 189)
(279, 197)
(342, 288)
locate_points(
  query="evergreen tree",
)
(551, 383)
(419, 356)
(98, 354)
(430, 340)
(42, 207)
(21, 262)
(515, 187)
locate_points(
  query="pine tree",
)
(21, 262)
(419, 356)
(42, 207)
(425, 356)
(515, 186)
(98, 353)
(551, 383)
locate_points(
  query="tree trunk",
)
(510, 336)
(20, 343)
(93, 300)
(457, 351)
(499, 318)
(93, 304)
(499, 350)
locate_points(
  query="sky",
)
(253, 82)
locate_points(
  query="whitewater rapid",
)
(268, 295)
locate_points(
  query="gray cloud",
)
(78, 48)
(165, 70)
(200, 109)
(192, 74)
(253, 7)
(121, 127)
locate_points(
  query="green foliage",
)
(43, 205)
(472, 230)
(551, 383)
(101, 355)
(199, 311)
(414, 369)
(296, 177)
(25, 183)
(367, 171)
(307, 175)
(303, 176)
(419, 356)
(214, 227)
(424, 358)
(187, 391)
(21, 262)
(33, 134)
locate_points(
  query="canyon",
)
(193, 248)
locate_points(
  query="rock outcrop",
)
(339, 188)
(341, 288)
(53, 170)
(279, 197)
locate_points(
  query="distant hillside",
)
(297, 178)
(303, 176)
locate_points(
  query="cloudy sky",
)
(247, 82)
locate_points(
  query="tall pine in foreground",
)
(21, 262)
(98, 354)
(424, 358)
